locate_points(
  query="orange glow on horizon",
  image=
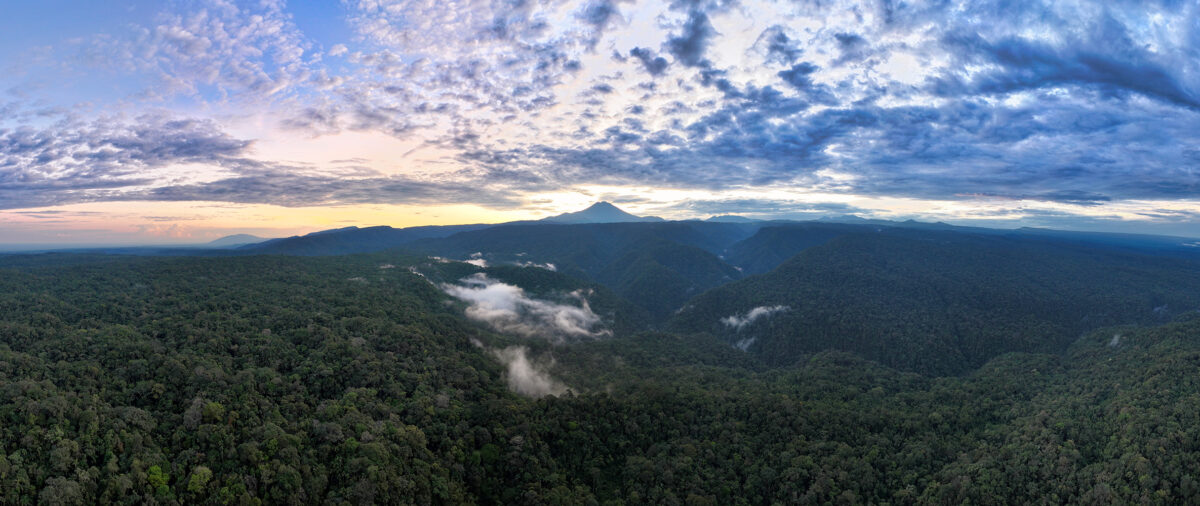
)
(195, 222)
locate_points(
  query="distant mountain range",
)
(352, 240)
(230, 241)
(717, 234)
(730, 218)
(910, 295)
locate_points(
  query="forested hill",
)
(362, 380)
(940, 302)
(660, 265)
(351, 240)
(657, 266)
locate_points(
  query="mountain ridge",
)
(235, 240)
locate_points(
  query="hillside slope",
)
(351, 240)
(940, 302)
(355, 380)
(657, 266)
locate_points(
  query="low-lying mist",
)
(525, 376)
(507, 309)
(738, 322)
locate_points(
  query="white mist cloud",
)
(745, 344)
(507, 309)
(477, 260)
(738, 322)
(524, 376)
(548, 266)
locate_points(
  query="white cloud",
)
(246, 52)
(548, 266)
(506, 308)
(738, 322)
(477, 260)
(526, 377)
(745, 344)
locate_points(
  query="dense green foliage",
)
(660, 276)
(657, 266)
(354, 380)
(1119, 425)
(351, 240)
(943, 303)
(772, 245)
(222, 379)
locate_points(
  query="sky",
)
(151, 122)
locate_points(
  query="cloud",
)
(547, 266)
(477, 260)
(745, 344)
(654, 65)
(689, 46)
(776, 46)
(1086, 106)
(424, 65)
(602, 88)
(526, 377)
(284, 188)
(601, 15)
(506, 308)
(77, 161)
(117, 159)
(1027, 64)
(738, 322)
(995, 131)
(244, 52)
(766, 208)
(851, 46)
(798, 75)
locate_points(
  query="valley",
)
(612, 363)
